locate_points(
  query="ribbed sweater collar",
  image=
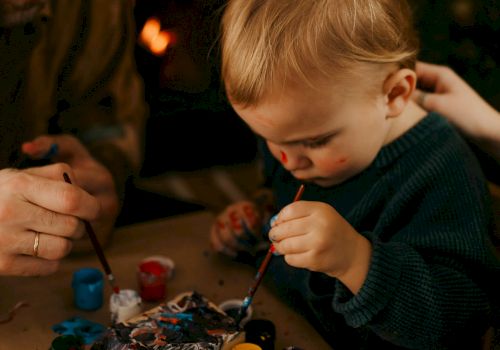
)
(390, 152)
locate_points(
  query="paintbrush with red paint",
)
(98, 248)
(260, 272)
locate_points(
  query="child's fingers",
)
(248, 212)
(217, 245)
(301, 260)
(294, 245)
(295, 210)
(225, 235)
(288, 229)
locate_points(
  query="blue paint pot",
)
(87, 288)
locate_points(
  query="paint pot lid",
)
(152, 267)
(126, 298)
(165, 261)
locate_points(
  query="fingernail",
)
(274, 251)
(273, 220)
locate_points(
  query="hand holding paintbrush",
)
(98, 248)
(261, 271)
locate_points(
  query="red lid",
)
(152, 267)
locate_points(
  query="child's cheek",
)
(329, 165)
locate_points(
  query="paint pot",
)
(152, 276)
(246, 346)
(87, 288)
(261, 332)
(67, 342)
(232, 307)
(124, 305)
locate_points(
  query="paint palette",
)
(189, 321)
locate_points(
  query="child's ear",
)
(398, 88)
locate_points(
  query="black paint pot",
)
(261, 332)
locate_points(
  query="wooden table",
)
(185, 240)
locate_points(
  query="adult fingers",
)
(42, 220)
(37, 244)
(428, 100)
(55, 195)
(21, 265)
(68, 147)
(438, 79)
(96, 179)
(428, 74)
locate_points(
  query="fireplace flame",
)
(153, 38)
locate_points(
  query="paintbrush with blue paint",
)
(261, 271)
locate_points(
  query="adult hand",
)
(453, 98)
(237, 228)
(89, 175)
(313, 235)
(39, 218)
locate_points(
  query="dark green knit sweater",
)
(424, 205)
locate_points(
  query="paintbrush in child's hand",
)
(260, 272)
(98, 248)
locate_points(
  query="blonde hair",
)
(270, 42)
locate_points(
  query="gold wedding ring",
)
(36, 244)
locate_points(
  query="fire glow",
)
(153, 38)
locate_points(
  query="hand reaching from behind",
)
(89, 175)
(453, 98)
(237, 228)
(313, 235)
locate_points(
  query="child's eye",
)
(317, 143)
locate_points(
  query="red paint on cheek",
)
(329, 165)
(284, 158)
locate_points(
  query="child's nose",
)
(296, 161)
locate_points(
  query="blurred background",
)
(198, 150)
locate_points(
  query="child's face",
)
(324, 136)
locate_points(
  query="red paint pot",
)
(152, 276)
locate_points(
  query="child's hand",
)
(237, 228)
(314, 236)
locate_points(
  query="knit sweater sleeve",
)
(424, 282)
